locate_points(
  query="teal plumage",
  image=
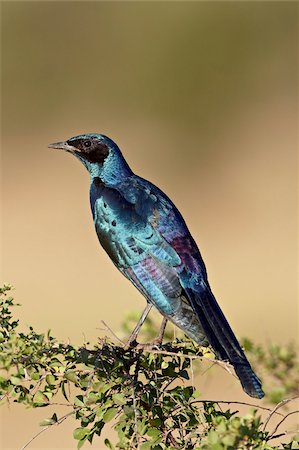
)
(148, 241)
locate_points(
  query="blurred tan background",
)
(202, 98)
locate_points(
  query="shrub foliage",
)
(144, 392)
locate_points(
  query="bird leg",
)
(132, 339)
(158, 340)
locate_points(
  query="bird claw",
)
(157, 342)
(131, 343)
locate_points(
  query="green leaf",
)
(80, 443)
(100, 411)
(62, 385)
(196, 394)
(119, 399)
(156, 422)
(217, 446)
(84, 355)
(40, 398)
(50, 379)
(50, 421)
(35, 376)
(46, 422)
(49, 395)
(109, 444)
(54, 417)
(213, 437)
(153, 433)
(142, 426)
(70, 375)
(228, 440)
(109, 414)
(101, 387)
(80, 433)
(184, 374)
(146, 446)
(92, 398)
(129, 411)
(79, 400)
(15, 380)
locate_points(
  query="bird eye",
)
(87, 143)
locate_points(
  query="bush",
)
(144, 392)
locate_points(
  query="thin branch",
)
(61, 404)
(134, 380)
(153, 349)
(35, 436)
(38, 384)
(107, 328)
(59, 421)
(238, 403)
(285, 433)
(173, 442)
(279, 405)
(279, 423)
(192, 372)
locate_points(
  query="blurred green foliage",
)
(144, 392)
(278, 366)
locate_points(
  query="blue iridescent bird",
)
(149, 242)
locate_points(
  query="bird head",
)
(92, 148)
(99, 154)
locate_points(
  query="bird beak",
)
(63, 146)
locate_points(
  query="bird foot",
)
(149, 346)
(131, 343)
(157, 342)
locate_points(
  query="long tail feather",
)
(223, 340)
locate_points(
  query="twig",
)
(149, 348)
(61, 404)
(107, 328)
(279, 423)
(35, 436)
(285, 433)
(173, 442)
(279, 405)
(38, 384)
(192, 373)
(59, 421)
(134, 381)
(237, 403)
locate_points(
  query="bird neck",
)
(114, 170)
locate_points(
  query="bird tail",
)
(222, 338)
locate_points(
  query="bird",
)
(147, 239)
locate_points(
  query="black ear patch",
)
(97, 154)
(92, 150)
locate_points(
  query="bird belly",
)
(168, 299)
(166, 305)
